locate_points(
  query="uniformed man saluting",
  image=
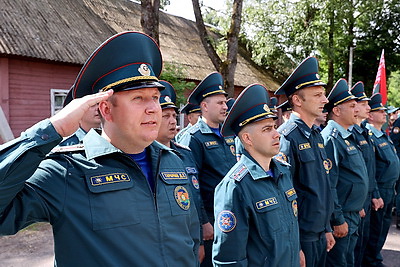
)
(348, 174)
(123, 200)
(255, 204)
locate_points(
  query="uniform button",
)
(45, 137)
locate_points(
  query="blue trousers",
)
(314, 251)
(363, 233)
(342, 254)
(379, 228)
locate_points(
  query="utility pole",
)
(351, 66)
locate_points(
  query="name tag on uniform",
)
(290, 192)
(174, 175)
(363, 142)
(320, 145)
(351, 148)
(109, 178)
(229, 141)
(211, 143)
(304, 146)
(383, 144)
(266, 203)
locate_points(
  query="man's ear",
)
(336, 111)
(105, 110)
(204, 106)
(246, 138)
(296, 100)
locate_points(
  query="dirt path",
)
(33, 247)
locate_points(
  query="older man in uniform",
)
(363, 139)
(213, 153)
(166, 136)
(302, 146)
(121, 199)
(387, 174)
(255, 204)
(348, 174)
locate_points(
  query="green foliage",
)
(175, 74)
(394, 89)
(282, 33)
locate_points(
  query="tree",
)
(394, 89)
(150, 18)
(170, 73)
(225, 66)
(282, 33)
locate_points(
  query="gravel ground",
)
(33, 247)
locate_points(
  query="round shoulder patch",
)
(226, 221)
(182, 197)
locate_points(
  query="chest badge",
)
(182, 197)
(327, 165)
(226, 221)
(294, 207)
(195, 182)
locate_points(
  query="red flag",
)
(380, 80)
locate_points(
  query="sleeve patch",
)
(226, 221)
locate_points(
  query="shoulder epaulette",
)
(193, 129)
(239, 173)
(334, 133)
(181, 146)
(67, 149)
(289, 127)
(281, 158)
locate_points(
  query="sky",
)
(184, 8)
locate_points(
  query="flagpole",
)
(350, 67)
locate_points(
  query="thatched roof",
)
(68, 31)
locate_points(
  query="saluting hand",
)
(66, 121)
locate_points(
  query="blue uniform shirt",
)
(256, 217)
(98, 201)
(387, 162)
(304, 149)
(214, 157)
(76, 138)
(363, 137)
(348, 175)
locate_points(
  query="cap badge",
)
(167, 99)
(266, 108)
(144, 70)
(317, 75)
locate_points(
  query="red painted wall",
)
(29, 90)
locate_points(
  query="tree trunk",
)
(150, 18)
(233, 43)
(227, 68)
(331, 48)
(205, 38)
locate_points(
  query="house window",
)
(57, 99)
